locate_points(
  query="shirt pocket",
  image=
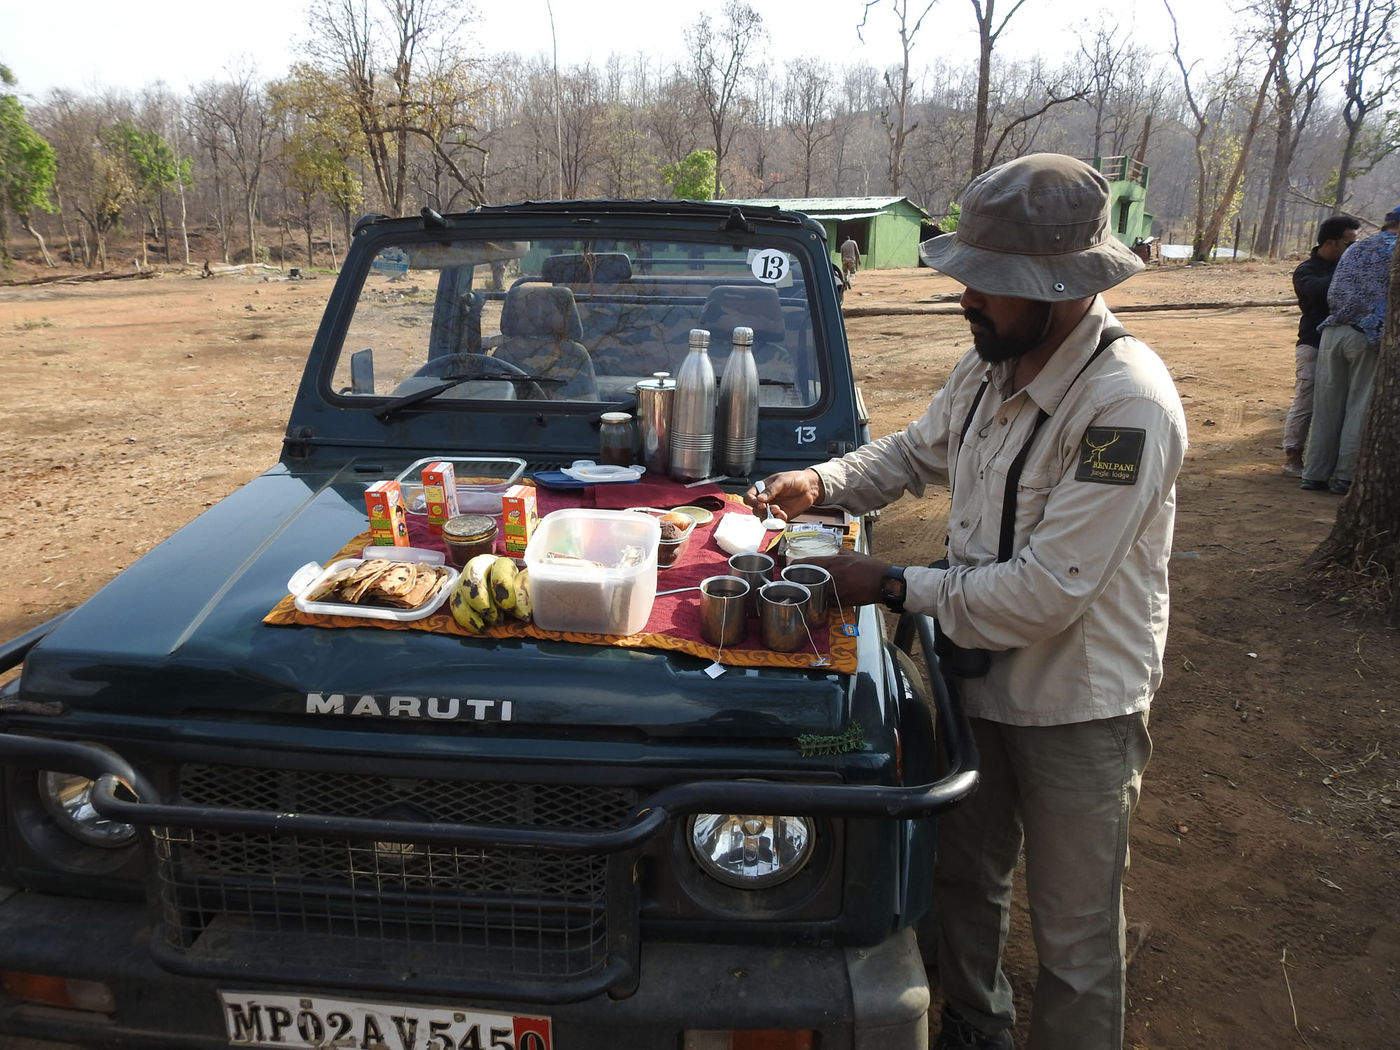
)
(1031, 494)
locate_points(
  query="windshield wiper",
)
(417, 397)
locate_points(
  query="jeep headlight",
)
(67, 798)
(750, 851)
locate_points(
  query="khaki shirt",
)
(1077, 618)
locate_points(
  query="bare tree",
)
(1207, 229)
(1015, 110)
(375, 50)
(1371, 70)
(894, 115)
(1303, 32)
(989, 30)
(1109, 60)
(239, 118)
(719, 60)
(807, 113)
(92, 179)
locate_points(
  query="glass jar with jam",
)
(615, 439)
(468, 535)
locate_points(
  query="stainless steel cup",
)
(722, 615)
(756, 569)
(782, 615)
(815, 579)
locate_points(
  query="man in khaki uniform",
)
(1060, 437)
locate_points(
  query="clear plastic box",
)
(593, 571)
(481, 482)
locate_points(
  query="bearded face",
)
(1004, 329)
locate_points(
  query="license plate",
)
(319, 1023)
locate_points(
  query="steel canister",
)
(654, 398)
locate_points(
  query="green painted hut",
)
(1127, 192)
(887, 229)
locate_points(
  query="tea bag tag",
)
(715, 669)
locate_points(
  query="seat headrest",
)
(541, 310)
(729, 306)
(600, 268)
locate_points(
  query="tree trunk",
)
(43, 248)
(164, 228)
(1348, 151)
(1278, 175)
(1222, 208)
(1365, 538)
(981, 130)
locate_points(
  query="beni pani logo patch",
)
(1110, 455)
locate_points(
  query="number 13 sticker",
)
(771, 266)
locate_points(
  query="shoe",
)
(958, 1034)
(1293, 464)
(1339, 487)
(1313, 486)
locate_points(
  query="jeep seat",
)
(540, 332)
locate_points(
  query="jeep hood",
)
(180, 635)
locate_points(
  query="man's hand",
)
(786, 495)
(856, 577)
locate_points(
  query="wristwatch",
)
(892, 588)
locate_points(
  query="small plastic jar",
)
(615, 439)
(468, 535)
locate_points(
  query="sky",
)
(88, 46)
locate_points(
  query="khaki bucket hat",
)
(1035, 228)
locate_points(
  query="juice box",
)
(388, 520)
(440, 493)
(519, 516)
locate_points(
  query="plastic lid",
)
(468, 527)
(616, 417)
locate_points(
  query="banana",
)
(467, 618)
(502, 579)
(523, 608)
(478, 586)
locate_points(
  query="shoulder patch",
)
(1110, 455)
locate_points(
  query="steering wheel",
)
(480, 366)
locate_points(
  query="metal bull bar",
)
(116, 778)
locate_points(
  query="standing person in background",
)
(850, 258)
(1310, 282)
(1346, 359)
(1060, 437)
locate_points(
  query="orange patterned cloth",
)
(675, 619)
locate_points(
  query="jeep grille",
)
(247, 903)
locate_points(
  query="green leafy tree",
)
(27, 170)
(693, 179)
(154, 170)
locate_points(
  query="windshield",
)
(571, 320)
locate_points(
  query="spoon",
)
(772, 522)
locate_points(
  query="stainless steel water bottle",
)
(654, 399)
(736, 432)
(693, 413)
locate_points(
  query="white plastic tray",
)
(312, 573)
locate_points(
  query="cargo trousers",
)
(1068, 793)
(1346, 370)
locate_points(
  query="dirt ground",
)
(1267, 842)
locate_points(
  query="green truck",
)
(217, 829)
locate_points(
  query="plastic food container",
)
(481, 480)
(593, 571)
(309, 576)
